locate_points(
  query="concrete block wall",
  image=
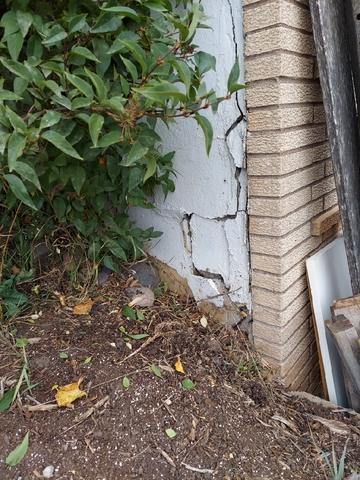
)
(290, 181)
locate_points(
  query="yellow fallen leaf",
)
(83, 308)
(67, 394)
(179, 366)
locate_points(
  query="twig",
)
(198, 470)
(167, 458)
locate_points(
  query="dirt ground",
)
(236, 423)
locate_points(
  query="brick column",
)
(290, 181)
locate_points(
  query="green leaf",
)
(137, 52)
(234, 76)
(137, 152)
(4, 137)
(235, 87)
(7, 95)
(161, 92)
(85, 53)
(16, 121)
(16, 455)
(156, 370)
(207, 129)
(187, 384)
(130, 68)
(16, 146)
(6, 400)
(63, 355)
(24, 20)
(78, 177)
(14, 44)
(184, 72)
(129, 312)
(19, 190)
(21, 342)
(61, 143)
(170, 433)
(138, 336)
(123, 12)
(196, 16)
(96, 123)
(54, 87)
(126, 383)
(205, 62)
(27, 173)
(87, 360)
(110, 138)
(100, 87)
(56, 35)
(116, 249)
(50, 118)
(17, 69)
(151, 169)
(84, 87)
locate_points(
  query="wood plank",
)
(322, 223)
(349, 308)
(336, 44)
(346, 340)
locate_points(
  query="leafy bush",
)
(82, 85)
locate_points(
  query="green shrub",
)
(82, 85)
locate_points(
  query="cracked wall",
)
(204, 222)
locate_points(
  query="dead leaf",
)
(61, 298)
(334, 426)
(144, 298)
(15, 270)
(179, 366)
(66, 395)
(83, 308)
(203, 322)
(286, 422)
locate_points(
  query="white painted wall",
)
(204, 222)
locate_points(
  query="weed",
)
(336, 470)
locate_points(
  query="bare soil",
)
(237, 423)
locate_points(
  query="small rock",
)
(104, 275)
(41, 362)
(48, 471)
(146, 274)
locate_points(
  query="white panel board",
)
(329, 280)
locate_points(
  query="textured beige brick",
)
(281, 206)
(287, 162)
(278, 142)
(330, 200)
(280, 353)
(280, 319)
(329, 167)
(326, 185)
(279, 38)
(277, 227)
(281, 186)
(280, 335)
(279, 64)
(279, 301)
(281, 92)
(302, 379)
(280, 265)
(289, 363)
(319, 114)
(272, 118)
(264, 15)
(277, 283)
(280, 245)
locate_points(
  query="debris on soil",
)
(167, 396)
